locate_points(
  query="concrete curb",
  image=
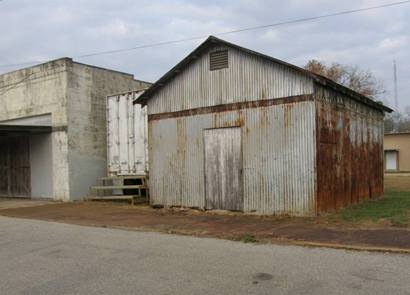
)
(277, 241)
(345, 246)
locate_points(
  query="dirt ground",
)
(8, 203)
(233, 226)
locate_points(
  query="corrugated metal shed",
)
(305, 143)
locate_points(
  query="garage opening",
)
(25, 159)
(15, 166)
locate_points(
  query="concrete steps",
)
(105, 178)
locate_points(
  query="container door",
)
(391, 160)
(126, 127)
(223, 169)
(140, 145)
(113, 140)
(124, 133)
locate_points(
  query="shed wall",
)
(41, 166)
(248, 78)
(278, 158)
(349, 150)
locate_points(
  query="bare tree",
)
(361, 81)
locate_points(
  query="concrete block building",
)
(234, 129)
(53, 128)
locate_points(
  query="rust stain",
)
(240, 121)
(287, 114)
(349, 158)
(264, 118)
(231, 107)
(181, 142)
(215, 120)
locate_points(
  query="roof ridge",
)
(212, 39)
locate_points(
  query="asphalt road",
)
(38, 257)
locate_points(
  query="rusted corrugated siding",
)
(349, 151)
(248, 78)
(278, 158)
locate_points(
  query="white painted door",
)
(391, 160)
(223, 169)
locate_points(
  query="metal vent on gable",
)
(218, 60)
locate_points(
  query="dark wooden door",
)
(4, 166)
(223, 169)
(20, 166)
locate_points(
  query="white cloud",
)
(271, 36)
(115, 28)
(394, 43)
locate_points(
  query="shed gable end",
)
(223, 75)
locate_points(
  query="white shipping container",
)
(127, 150)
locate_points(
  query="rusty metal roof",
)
(211, 40)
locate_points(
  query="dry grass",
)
(397, 182)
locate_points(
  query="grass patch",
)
(393, 207)
(248, 238)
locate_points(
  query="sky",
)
(41, 30)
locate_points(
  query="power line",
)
(289, 22)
